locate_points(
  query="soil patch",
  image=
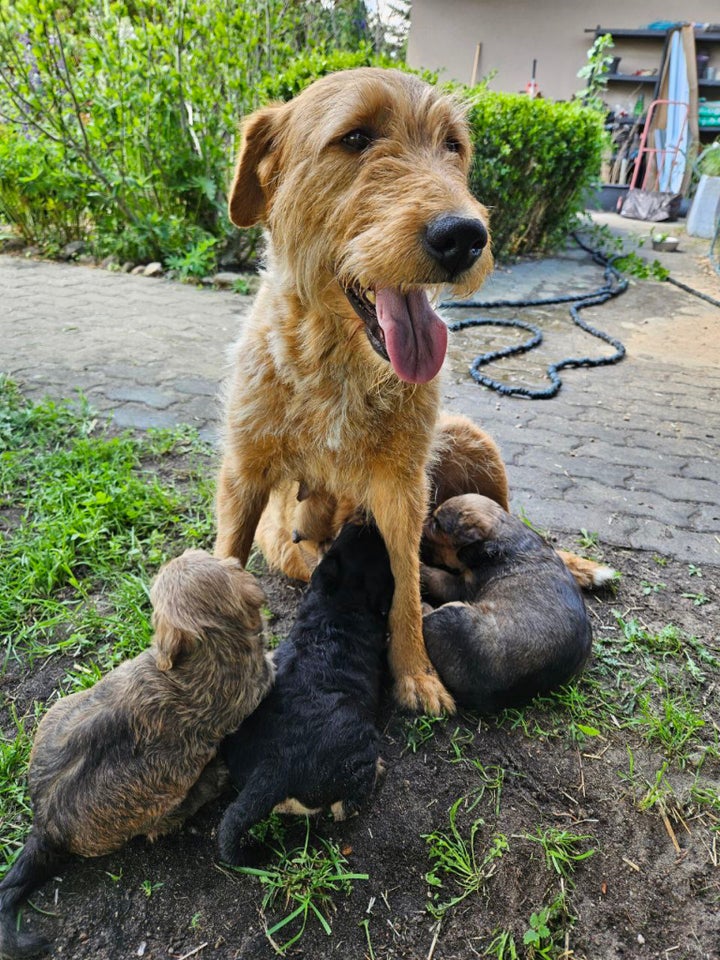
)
(650, 887)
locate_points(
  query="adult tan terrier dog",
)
(361, 183)
(134, 755)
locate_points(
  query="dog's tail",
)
(37, 861)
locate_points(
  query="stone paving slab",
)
(629, 451)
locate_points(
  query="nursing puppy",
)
(510, 620)
(134, 754)
(312, 743)
(299, 524)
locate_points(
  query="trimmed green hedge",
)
(534, 163)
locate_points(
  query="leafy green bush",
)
(44, 198)
(534, 161)
(304, 69)
(141, 101)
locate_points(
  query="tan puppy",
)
(361, 181)
(134, 754)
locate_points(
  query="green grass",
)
(458, 869)
(305, 879)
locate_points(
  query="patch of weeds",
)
(150, 887)
(196, 921)
(694, 571)
(622, 252)
(623, 257)
(198, 262)
(543, 938)
(305, 879)
(587, 540)
(456, 861)
(673, 722)
(661, 561)
(490, 777)
(419, 730)
(561, 849)
(648, 588)
(698, 599)
(241, 286)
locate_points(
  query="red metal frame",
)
(653, 152)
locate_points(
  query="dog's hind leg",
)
(38, 860)
(400, 520)
(262, 792)
(209, 785)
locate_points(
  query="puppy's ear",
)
(171, 642)
(248, 198)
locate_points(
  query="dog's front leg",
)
(239, 502)
(400, 517)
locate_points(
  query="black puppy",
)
(312, 743)
(513, 622)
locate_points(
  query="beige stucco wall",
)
(445, 33)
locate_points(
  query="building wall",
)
(444, 35)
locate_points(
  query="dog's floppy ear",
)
(247, 204)
(172, 641)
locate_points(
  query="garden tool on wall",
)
(531, 87)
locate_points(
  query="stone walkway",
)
(627, 451)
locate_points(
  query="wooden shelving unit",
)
(706, 86)
(643, 49)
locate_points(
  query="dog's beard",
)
(403, 329)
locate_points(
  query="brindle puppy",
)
(510, 620)
(134, 755)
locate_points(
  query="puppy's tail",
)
(37, 861)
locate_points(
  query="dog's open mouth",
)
(403, 329)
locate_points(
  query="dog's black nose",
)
(455, 242)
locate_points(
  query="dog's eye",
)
(452, 145)
(357, 140)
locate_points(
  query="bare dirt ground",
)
(650, 888)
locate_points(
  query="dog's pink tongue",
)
(415, 336)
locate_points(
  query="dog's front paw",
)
(424, 693)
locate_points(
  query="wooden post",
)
(476, 65)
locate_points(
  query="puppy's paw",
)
(232, 846)
(424, 693)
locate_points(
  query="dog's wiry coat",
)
(310, 399)
(135, 754)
